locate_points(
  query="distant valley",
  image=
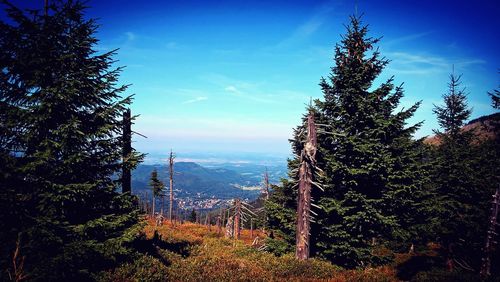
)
(209, 185)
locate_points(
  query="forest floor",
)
(191, 252)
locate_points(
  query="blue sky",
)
(234, 76)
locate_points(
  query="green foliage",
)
(192, 216)
(465, 173)
(453, 114)
(372, 178)
(281, 212)
(495, 98)
(156, 185)
(278, 247)
(61, 146)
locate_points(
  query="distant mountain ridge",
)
(483, 127)
(217, 181)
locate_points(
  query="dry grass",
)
(211, 257)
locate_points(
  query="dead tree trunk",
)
(207, 222)
(237, 220)
(223, 223)
(266, 185)
(219, 225)
(251, 228)
(153, 210)
(230, 228)
(126, 152)
(490, 237)
(219, 222)
(266, 191)
(162, 198)
(171, 162)
(307, 163)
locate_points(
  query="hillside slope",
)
(483, 128)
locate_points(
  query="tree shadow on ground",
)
(153, 246)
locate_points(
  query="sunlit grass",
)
(211, 257)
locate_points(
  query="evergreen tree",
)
(455, 112)
(464, 178)
(61, 141)
(192, 216)
(157, 187)
(495, 98)
(369, 160)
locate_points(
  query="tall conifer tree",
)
(61, 132)
(368, 157)
(465, 175)
(157, 187)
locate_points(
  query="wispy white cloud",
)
(130, 36)
(310, 26)
(424, 64)
(242, 89)
(195, 100)
(171, 45)
(254, 96)
(174, 45)
(406, 38)
(232, 89)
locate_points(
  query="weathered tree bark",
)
(266, 195)
(490, 237)
(255, 241)
(153, 210)
(223, 217)
(162, 197)
(237, 220)
(230, 228)
(266, 185)
(219, 221)
(126, 151)
(171, 162)
(207, 222)
(251, 228)
(307, 163)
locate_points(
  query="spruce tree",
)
(495, 98)
(61, 135)
(369, 160)
(157, 187)
(455, 111)
(192, 216)
(464, 174)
